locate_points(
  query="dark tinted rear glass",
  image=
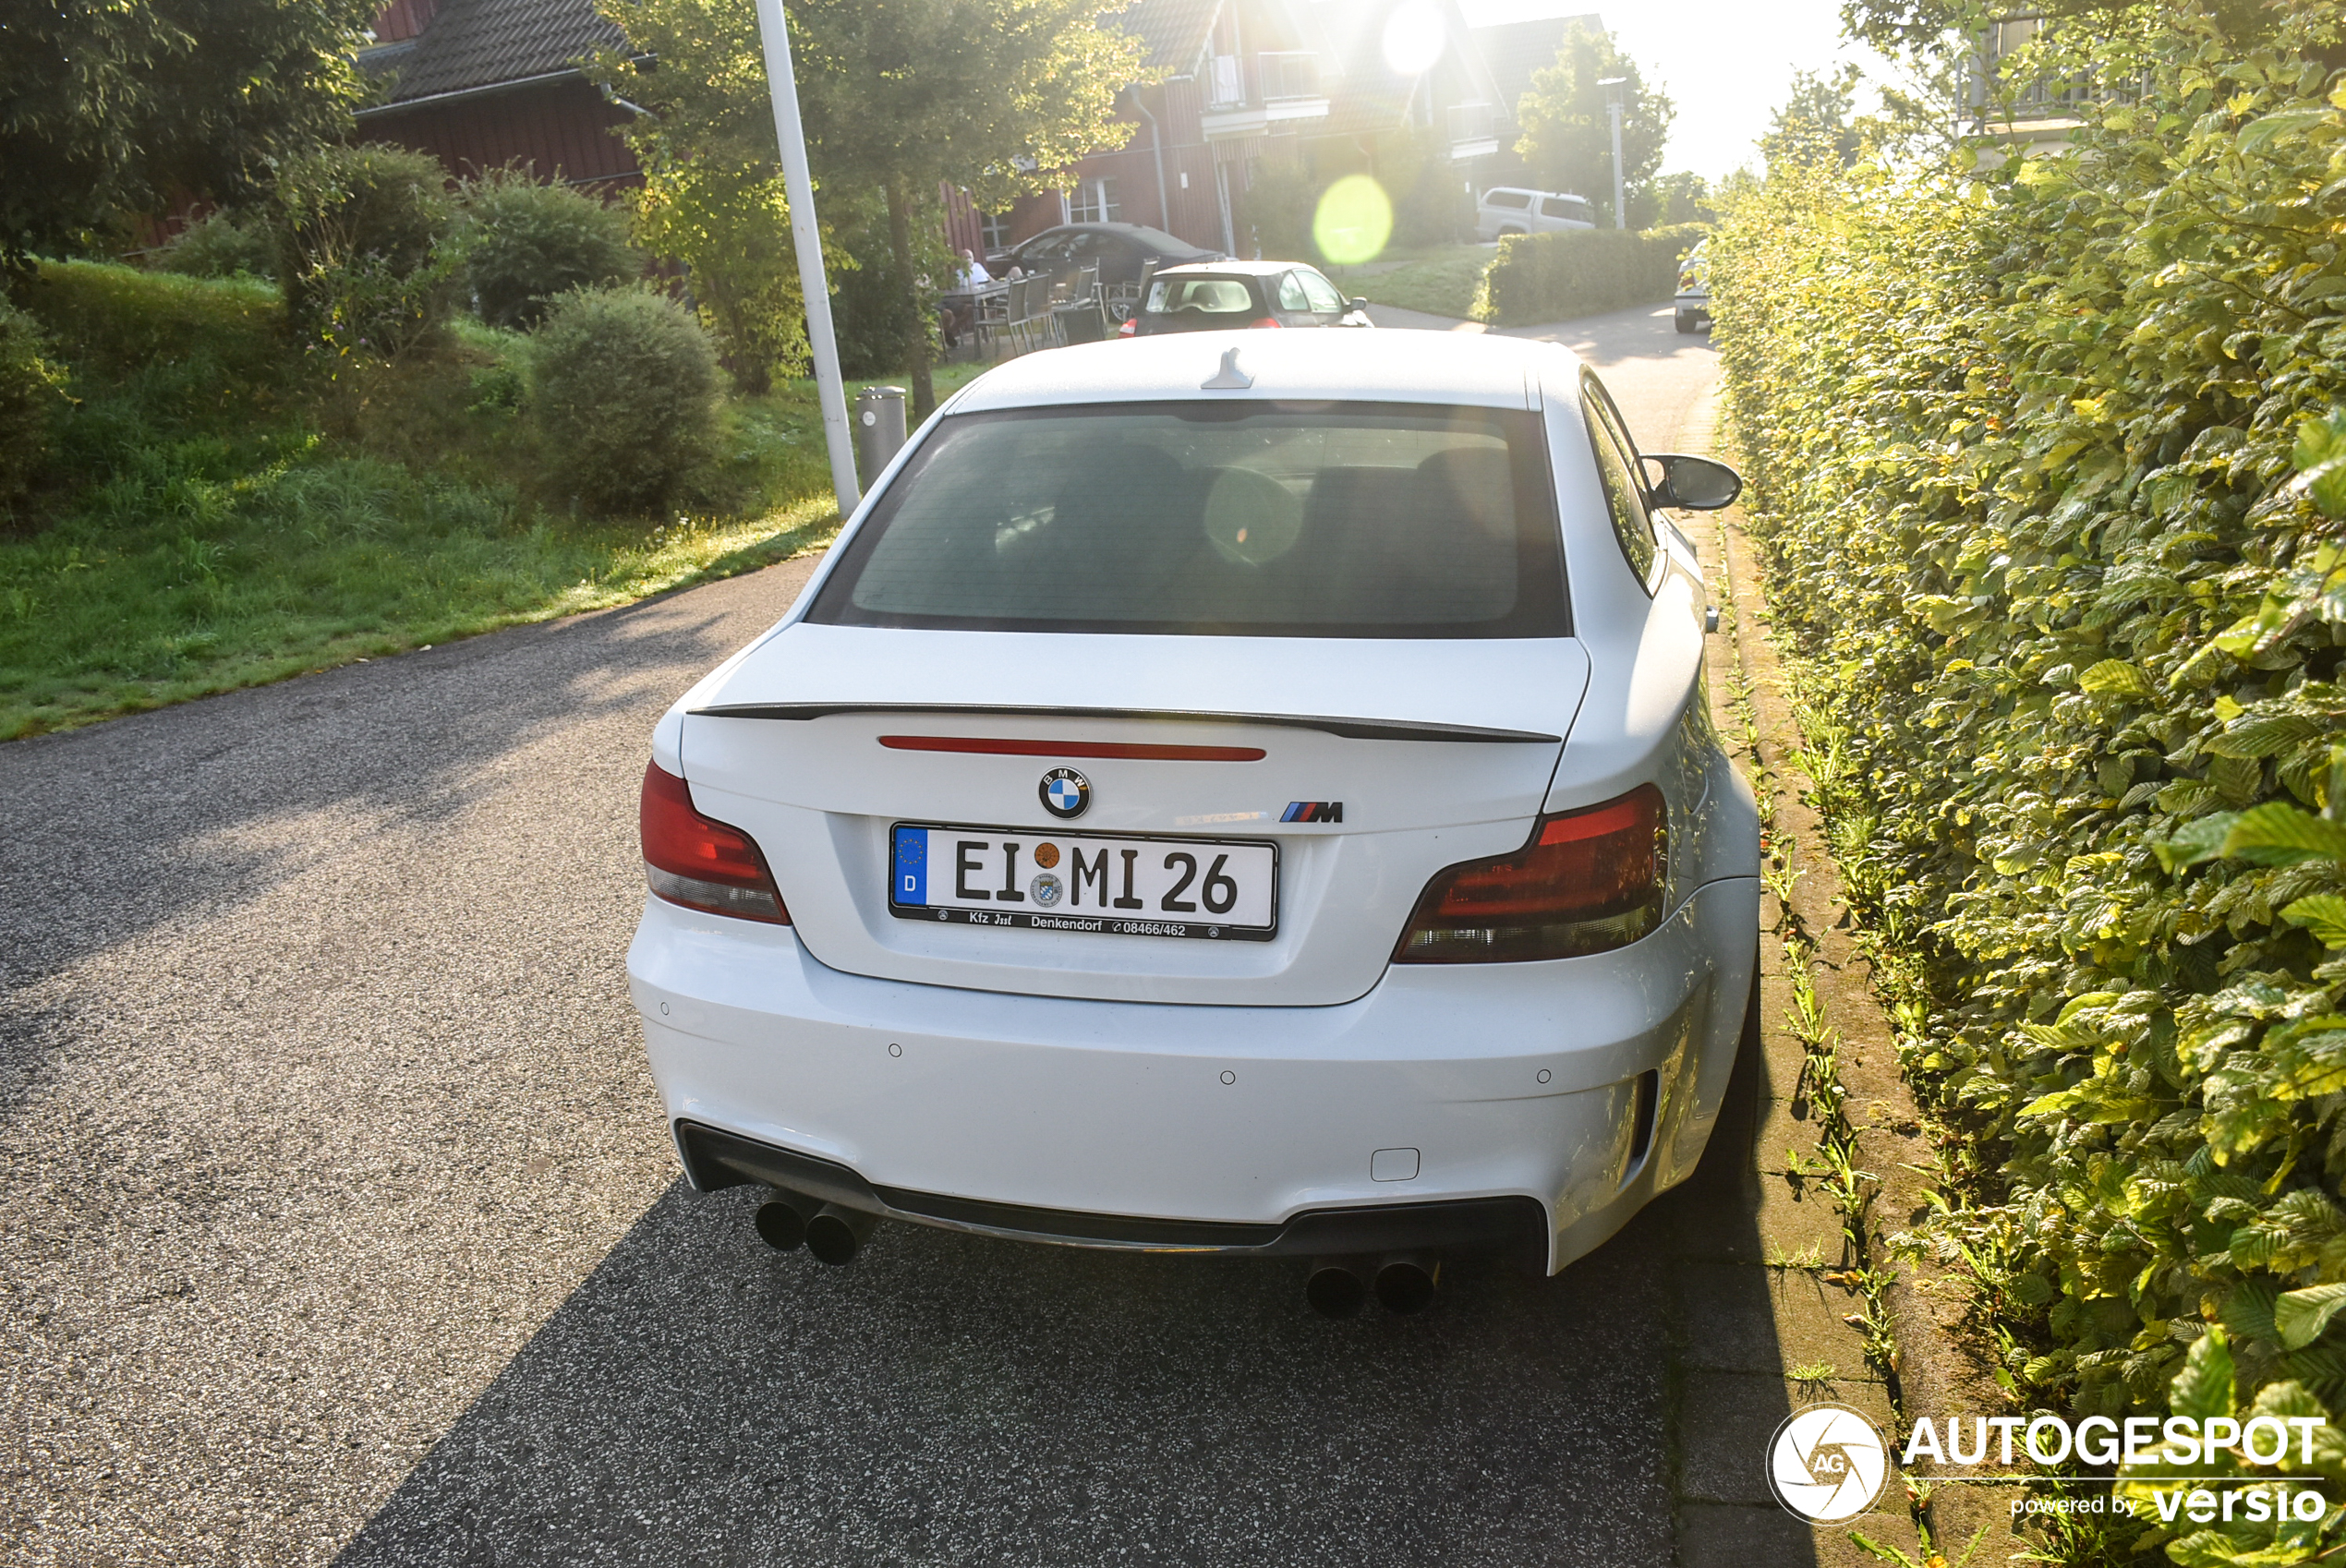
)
(1249, 519)
(1200, 296)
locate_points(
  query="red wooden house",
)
(482, 83)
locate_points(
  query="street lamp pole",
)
(807, 239)
(1612, 86)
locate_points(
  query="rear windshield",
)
(1206, 297)
(1241, 519)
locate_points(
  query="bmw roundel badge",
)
(1065, 793)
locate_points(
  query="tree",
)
(996, 96)
(1684, 198)
(712, 192)
(899, 97)
(110, 110)
(1817, 124)
(1568, 134)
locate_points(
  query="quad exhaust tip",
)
(1335, 1288)
(782, 1221)
(1402, 1282)
(1405, 1281)
(835, 1235)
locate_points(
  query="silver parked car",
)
(1508, 209)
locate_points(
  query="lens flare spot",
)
(1354, 220)
(1414, 38)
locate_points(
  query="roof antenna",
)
(1229, 378)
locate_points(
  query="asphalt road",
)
(337, 1221)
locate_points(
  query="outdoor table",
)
(975, 301)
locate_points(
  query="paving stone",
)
(1728, 1419)
(1748, 1318)
(1785, 1125)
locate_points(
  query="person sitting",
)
(961, 314)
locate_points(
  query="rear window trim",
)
(833, 603)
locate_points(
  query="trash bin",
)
(880, 429)
(1081, 323)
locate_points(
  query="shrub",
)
(219, 245)
(2045, 465)
(29, 399)
(624, 393)
(359, 233)
(524, 243)
(1552, 277)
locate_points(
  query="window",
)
(1291, 296)
(1095, 201)
(1514, 199)
(1214, 297)
(1321, 293)
(1230, 518)
(1624, 497)
(994, 231)
(1570, 206)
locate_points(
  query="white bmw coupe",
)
(1247, 794)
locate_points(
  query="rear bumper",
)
(1514, 1226)
(1387, 1122)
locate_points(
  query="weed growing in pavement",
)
(1807, 1260)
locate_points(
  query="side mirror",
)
(1356, 304)
(1691, 484)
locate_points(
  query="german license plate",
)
(1184, 887)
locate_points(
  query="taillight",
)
(701, 864)
(1131, 326)
(1589, 880)
(1264, 321)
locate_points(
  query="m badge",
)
(1312, 810)
(1065, 793)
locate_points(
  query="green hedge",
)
(1554, 277)
(2025, 448)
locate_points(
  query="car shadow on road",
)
(949, 1398)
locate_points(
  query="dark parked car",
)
(1120, 250)
(1212, 296)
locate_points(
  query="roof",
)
(1514, 49)
(1472, 368)
(472, 45)
(1232, 269)
(1172, 32)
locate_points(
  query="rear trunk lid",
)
(1364, 764)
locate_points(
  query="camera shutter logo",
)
(1827, 1462)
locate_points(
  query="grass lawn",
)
(219, 521)
(1441, 284)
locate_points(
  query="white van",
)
(1507, 210)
